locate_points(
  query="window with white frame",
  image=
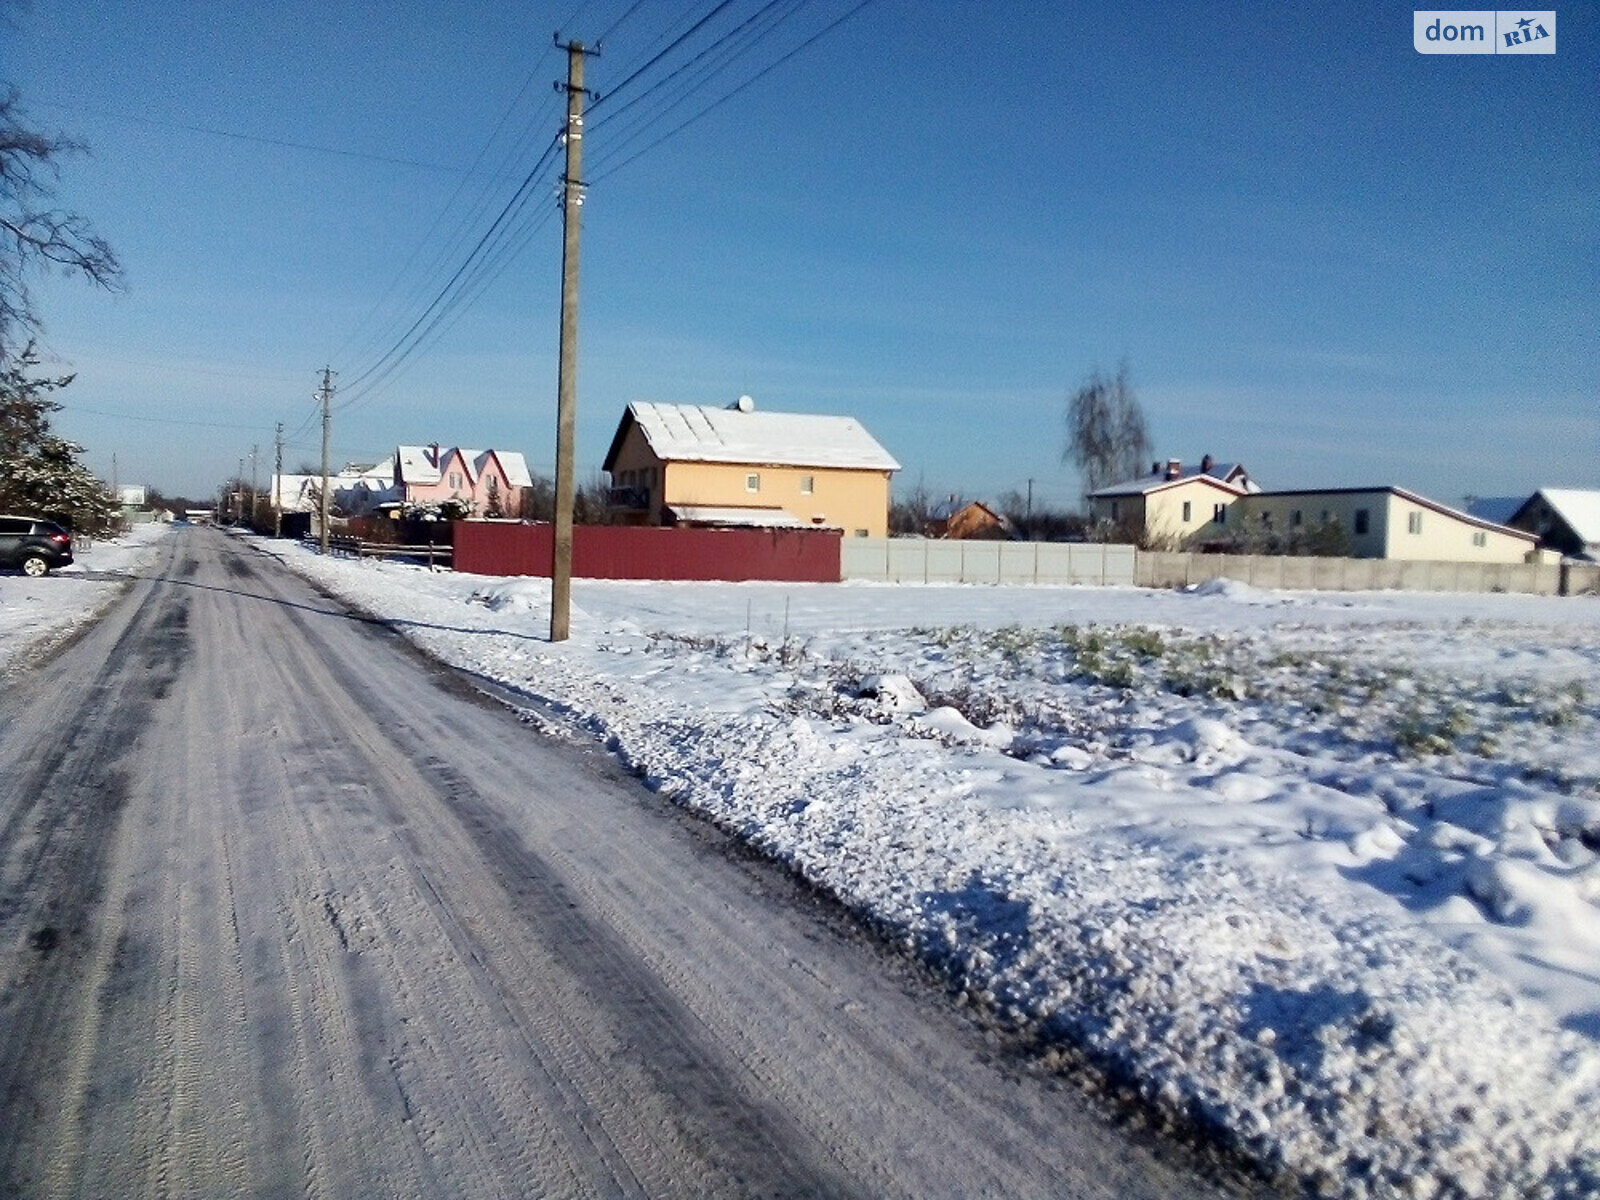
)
(1480, 538)
(752, 482)
(1414, 522)
(1187, 507)
(808, 484)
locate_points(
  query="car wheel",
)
(35, 566)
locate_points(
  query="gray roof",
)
(1499, 509)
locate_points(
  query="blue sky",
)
(1320, 253)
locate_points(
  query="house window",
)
(1186, 512)
(752, 482)
(1325, 516)
(1480, 538)
(1294, 519)
(455, 479)
(1266, 520)
(1414, 522)
(1219, 513)
(1363, 521)
(808, 484)
(1114, 510)
(861, 533)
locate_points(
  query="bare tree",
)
(912, 513)
(1107, 437)
(36, 235)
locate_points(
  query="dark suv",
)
(32, 545)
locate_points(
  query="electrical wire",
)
(617, 24)
(449, 296)
(612, 115)
(718, 103)
(513, 227)
(678, 41)
(448, 205)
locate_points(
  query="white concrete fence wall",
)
(922, 560)
(925, 560)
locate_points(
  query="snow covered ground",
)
(37, 613)
(1318, 873)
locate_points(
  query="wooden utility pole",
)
(567, 374)
(325, 394)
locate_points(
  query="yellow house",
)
(690, 464)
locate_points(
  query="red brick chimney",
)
(1174, 468)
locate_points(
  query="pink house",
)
(492, 482)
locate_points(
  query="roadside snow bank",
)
(1330, 897)
(36, 613)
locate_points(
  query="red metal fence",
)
(631, 552)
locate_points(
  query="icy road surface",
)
(285, 911)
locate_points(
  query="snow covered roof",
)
(758, 518)
(1146, 484)
(417, 464)
(1579, 508)
(511, 462)
(1171, 473)
(423, 464)
(703, 433)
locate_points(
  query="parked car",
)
(33, 546)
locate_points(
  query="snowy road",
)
(270, 926)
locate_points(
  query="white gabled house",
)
(1177, 505)
(1389, 523)
(1218, 506)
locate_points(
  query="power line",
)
(718, 103)
(449, 295)
(100, 412)
(683, 37)
(450, 246)
(258, 139)
(655, 87)
(513, 226)
(615, 25)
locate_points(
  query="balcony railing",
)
(631, 499)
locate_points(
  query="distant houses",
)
(1219, 507)
(971, 520)
(486, 483)
(735, 466)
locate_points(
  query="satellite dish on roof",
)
(745, 404)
